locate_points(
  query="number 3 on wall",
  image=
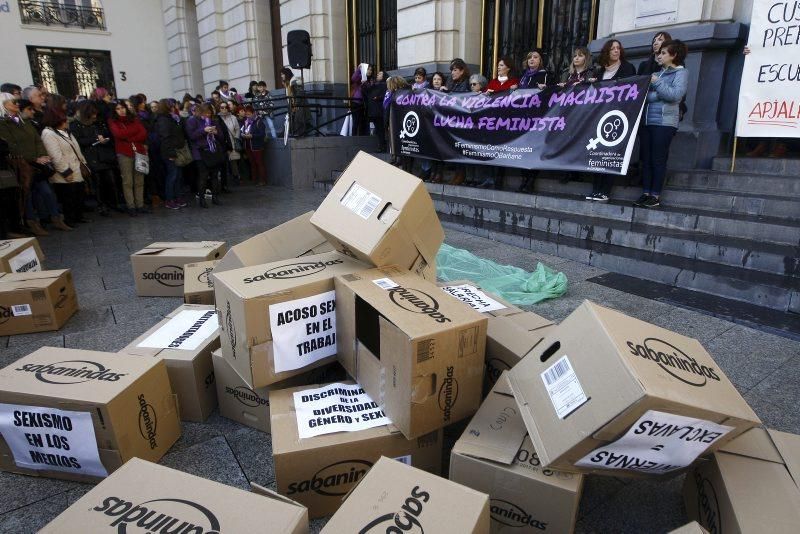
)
(123, 75)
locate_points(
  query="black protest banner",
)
(588, 127)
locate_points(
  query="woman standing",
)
(393, 84)
(374, 98)
(667, 88)
(298, 117)
(95, 141)
(253, 132)
(228, 116)
(535, 74)
(69, 163)
(506, 77)
(209, 150)
(580, 70)
(169, 130)
(129, 138)
(612, 62)
(459, 77)
(650, 65)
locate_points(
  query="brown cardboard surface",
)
(11, 248)
(244, 297)
(142, 490)
(48, 300)
(158, 268)
(198, 285)
(191, 372)
(690, 528)
(398, 226)
(396, 495)
(250, 406)
(292, 239)
(319, 471)
(747, 490)
(611, 355)
(133, 409)
(431, 345)
(495, 456)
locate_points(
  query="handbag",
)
(141, 162)
(234, 155)
(183, 156)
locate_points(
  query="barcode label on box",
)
(361, 201)
(385, 283)
(404, 459)
(20, 310)
(564, 388)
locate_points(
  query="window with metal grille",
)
(71, 72)
(372, 33)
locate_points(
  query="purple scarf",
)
(210, 139)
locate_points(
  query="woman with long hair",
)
(651, 65)
(96, 144)
(506, 77)
(130, 136)
(209, 144)
(253, 131)
(69, 164)
(169, 130)
(580, 69)
(612, 62)
(534, 72)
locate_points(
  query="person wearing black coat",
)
(374, 100)
(650, 66)
(613, 65)
(169, 132)
(98, 148)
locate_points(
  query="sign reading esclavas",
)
(20, 255)
(326, 438)
(279, 319)
(394, 497)
(158, 268)
(78, 415)
(607, 393)
(588, 127)
(185, 340)
(143, 497)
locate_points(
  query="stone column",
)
(180, 28)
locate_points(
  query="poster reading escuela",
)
(769, 98)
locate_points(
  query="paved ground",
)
(764, 367)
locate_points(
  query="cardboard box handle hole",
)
(552, 349)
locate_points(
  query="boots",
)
(58, 222)
(36, 228)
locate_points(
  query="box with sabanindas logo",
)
(22, 255)
(495, 455)
(37, 301)
(394, 497)
(326, 438)
(79, 414)
(158, 268)
(609, 394)
(250, 406)
(184, 339)
(198, 285)
(146, 497)
(416, 351)
(279, 319)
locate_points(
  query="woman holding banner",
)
(534, 74)
(506, 77)
(667, 88)
(458, 83)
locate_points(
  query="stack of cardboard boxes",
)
(270, 332)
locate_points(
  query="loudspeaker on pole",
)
(298, 47)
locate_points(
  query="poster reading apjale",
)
(588, 127)
(769, 95)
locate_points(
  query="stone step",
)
(737, 182)
(676, 271)
(779, 166)
(554, 207)
(734, 203)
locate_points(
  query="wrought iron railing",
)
(56, 14)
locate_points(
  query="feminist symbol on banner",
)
(612, 128)
(410, 125)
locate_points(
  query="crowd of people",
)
(61, 159)
(664, 109)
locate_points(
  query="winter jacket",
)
(22, 138)
(99, 156)
(170, 135)
(496, 85)
(128, 132)
(460, 86)
(625, 70)
(665, 95)
(232, 124)
(65, 153)
(574, 78)
(531, 79)
(648, 66)
(374, 99)
(258, 130)
(198, 138)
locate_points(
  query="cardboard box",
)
(690, 528)
(512, 332)
(185, 340)
(36, 301)
(495, 455)
(382, 216)
(20, 255)
(418, 353)
(250, 406)
(143, 496)
(319, 471)
(292, 239)
(80, 414)
(395, 497)
(749, 485)
(611, 394)
(198, 285)
(297, 295)
(158, 268)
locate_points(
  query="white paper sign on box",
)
(657, 443)
(474, 297)
(336, 408)
(51, 439)
(186, 331)
(25, 262)
(303, 330)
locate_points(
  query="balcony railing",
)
(55, 14)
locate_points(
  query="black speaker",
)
(298, 46)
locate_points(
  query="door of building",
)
(71, 72)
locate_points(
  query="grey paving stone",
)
(690, 323)
(775, 398)
(108, 339)
(213, 427)
(107, 296)
(118, 278)
(749, 356)
(21, 490)
(33, 517)
(212, 459)
(42, 338)
(155, 308)
(597, 491)
(13, 353)
(253, 449)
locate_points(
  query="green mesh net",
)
(506, 281)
